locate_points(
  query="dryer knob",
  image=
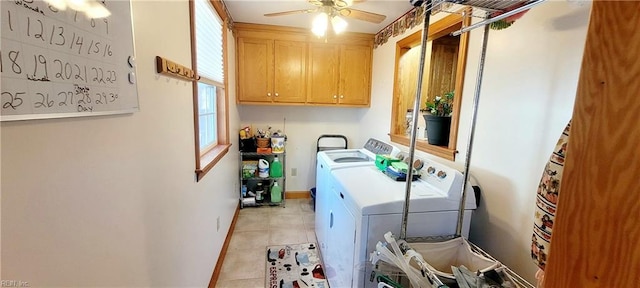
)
(418, 164)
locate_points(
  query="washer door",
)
(348, 156)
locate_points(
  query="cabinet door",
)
(290, 72)
(340, 244)
(322, 81)
(255, 69)
(355, 75)
(322, 204)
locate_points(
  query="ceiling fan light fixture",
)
(319, 25)
(339, 25)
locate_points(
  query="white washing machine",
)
(330, 160)
(364, 204)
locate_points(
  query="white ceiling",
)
(251, 11)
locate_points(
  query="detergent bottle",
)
(276, 192)
(276, 168)
(263, 168)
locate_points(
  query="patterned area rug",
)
(295, 266)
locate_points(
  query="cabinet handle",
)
(330, 219)
(276, 94)
(269, 94)
(341, 96)
(335, 96)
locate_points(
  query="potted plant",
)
(438, 119)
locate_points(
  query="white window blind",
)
(207, 115)
(209, 42)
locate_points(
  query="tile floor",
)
(257, 228)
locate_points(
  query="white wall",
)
(112, 200)
(303, 126)
(527, 98)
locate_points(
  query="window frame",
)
(207, 158)
(437, 29)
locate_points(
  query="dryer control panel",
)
(378, 147)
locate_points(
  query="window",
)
(208, 42)
(444, 71)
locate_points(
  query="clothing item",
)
(540, 278)
(546, 201)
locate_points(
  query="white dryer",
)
(365, 204)
(331, 160)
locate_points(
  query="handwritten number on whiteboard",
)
(106, 23)
(44, 102)
(61, 34)
(39, 34)
(40, 59)
(78, 75)
(111, 76)
(9, 19)
(79, 41)
(53, 9)
(107, 50)
(14, 100)
(59, 74)
(100, 97)
(68, 95)
(13, 56)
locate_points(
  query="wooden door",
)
(255, 70)
(290, 72)
(597, 231)
(322, 79)
(355, 75)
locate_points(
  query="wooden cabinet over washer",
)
(289, 66)
(339, 74)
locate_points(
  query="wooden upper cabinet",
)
(288, 66)
(290, 71)
(355, 75)
(339, 74)
(271, 71)
(323, 74)
(255, 70)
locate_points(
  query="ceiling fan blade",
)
(335, 3)
(291, 12)
(362, 15)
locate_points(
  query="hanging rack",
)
(490, 8)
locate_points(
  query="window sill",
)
(209, 159)
(424, 146)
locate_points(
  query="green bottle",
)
(275, 168)
(276, 193)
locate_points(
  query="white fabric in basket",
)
(455, 252)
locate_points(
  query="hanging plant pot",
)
(438, 128)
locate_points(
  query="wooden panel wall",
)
(596, 238)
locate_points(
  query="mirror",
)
(445, 62)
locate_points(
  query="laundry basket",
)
(440, 256)
(429, 264)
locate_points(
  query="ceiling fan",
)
(330, 9)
